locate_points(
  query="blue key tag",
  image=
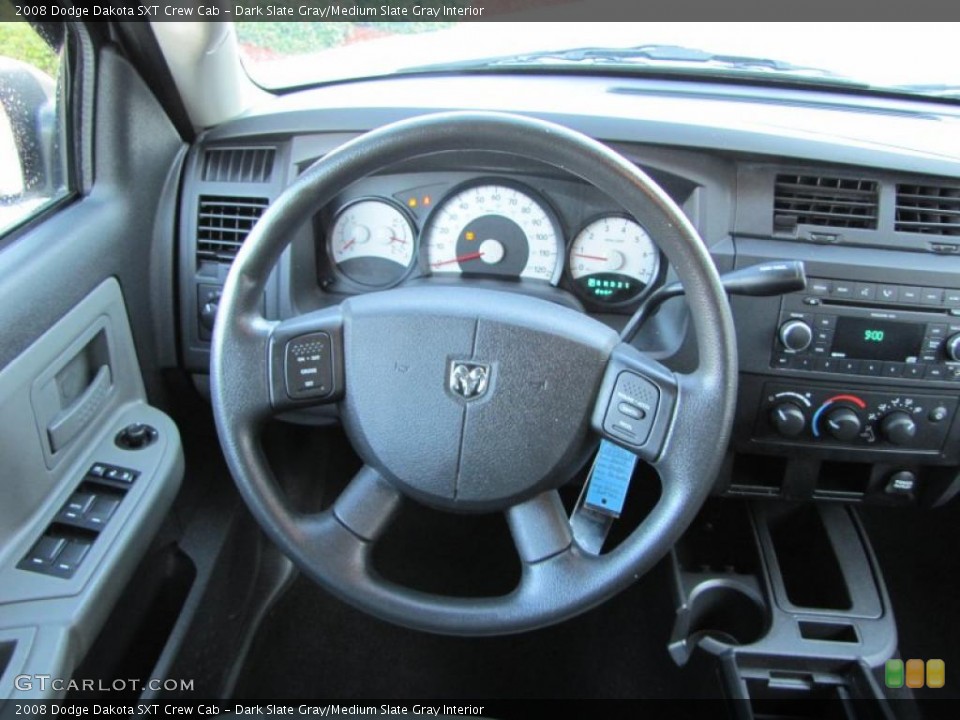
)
(610, 479)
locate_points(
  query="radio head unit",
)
(860, 335)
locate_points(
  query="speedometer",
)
(613, 260)
(493, 229)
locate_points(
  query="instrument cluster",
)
(488, 227)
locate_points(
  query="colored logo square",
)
(915, 673)
(936, 673)
(893, 675)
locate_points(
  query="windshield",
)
(914, 57)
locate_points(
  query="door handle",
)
(68, 423)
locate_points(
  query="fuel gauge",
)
(613, 260)
(372, 242)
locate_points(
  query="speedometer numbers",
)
(372, 243)
(613, 260)
(493, 229)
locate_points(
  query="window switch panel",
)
(68, 539)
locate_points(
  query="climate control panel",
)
(841, 417)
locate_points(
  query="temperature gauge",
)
(372, 243)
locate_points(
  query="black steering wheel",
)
(472, 400)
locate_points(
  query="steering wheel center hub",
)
(470, 399)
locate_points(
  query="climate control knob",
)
(787, 419)
(898, 427)
(843, 424)
(796, 335)
(952, 346)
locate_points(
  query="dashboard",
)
(848, 390)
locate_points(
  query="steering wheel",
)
(472, 400)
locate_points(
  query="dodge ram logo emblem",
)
(469, 380)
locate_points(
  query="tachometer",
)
(493, 229)
(372, 243)
(613, 260)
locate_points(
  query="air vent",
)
(928, 209)
(223, 223)
(250, 165)
(827, 201)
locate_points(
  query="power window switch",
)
(101, 511)
(45, 551)
(76, 507)
(80, 501)
(72, 555)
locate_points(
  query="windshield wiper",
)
(659, 56)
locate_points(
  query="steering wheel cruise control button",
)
(309, 370)
(632, 409)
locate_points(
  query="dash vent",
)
(223, 223)
(827, 201)
(928, 209)
(250, 165)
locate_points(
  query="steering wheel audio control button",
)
(632, 409)
(309, 370)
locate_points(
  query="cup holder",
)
(719, 613)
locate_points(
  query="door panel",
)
(87, 311)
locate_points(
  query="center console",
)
(849, 389)
(787, 602)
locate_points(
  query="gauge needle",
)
(348, 245)
(591, 257)
(394, 239)
(463, 258)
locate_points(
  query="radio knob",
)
(952, 347)
(898, 427)
(843, 424)
(787, 419)
(796, 335)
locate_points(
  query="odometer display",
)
(493, 229)
(613, 260)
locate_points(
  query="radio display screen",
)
(866, 339)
